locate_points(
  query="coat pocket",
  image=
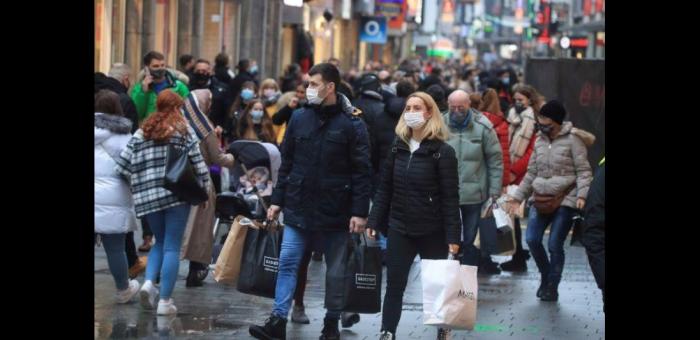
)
(294, 192)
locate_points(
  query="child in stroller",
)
(256, 180)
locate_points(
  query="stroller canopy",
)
(253, 154)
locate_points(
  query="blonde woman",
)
(419, 182)
(270, 95)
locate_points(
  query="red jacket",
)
(501, 126)
(519, 168)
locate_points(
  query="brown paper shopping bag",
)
(228, 265)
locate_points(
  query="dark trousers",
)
(146, 228)
(131, 255)
(401, 250)
(518, 238)
(593, 239)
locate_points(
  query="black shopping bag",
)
(505, 242)
(363, 279)
(260, 262)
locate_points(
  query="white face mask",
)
(312, 96)
(414, 119)
(256, 115)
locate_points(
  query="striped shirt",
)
(143, 164)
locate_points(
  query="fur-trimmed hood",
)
(107, 125)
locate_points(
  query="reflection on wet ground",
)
(507, 308)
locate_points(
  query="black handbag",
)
(577, 230)
(180, 177)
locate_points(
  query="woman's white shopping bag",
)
(503, 220)
(449, 294)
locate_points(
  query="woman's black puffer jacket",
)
(418, 193)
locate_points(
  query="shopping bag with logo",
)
(363, 280)
(449, 294)
(260, 261)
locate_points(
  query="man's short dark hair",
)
(221, 59)
(329, 73)
(202, 61)
(405, 88)
(185, 59)
(152, 55)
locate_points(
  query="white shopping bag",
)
(503, 221)
(449, 294)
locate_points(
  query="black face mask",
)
(519, 107)
(201, 78)
(157, 74)
(545, 129)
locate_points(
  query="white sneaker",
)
(124, 296)
(166, 307)
(149, 295)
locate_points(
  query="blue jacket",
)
(324, 178)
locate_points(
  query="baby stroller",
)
(252, 178)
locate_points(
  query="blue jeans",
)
(561, 221)
(294, 242)
(168, 226)
(116, 258)
(470, 219)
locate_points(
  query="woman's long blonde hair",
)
(434, 128)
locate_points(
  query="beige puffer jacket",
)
(555, 165)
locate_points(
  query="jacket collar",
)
(427, 146)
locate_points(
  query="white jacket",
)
(114, 206)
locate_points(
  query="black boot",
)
(518, 263)
(349, 319)
(275, 328)
(488, 267)
(550, 292)
(198, 272)
(543, 284)
(330, 330)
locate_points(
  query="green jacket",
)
(479, 158)
(145, 102)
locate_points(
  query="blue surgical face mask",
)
(257, 116)
(253, 69)
(247, 94)
(505, 81)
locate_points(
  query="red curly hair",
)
(167, 120)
